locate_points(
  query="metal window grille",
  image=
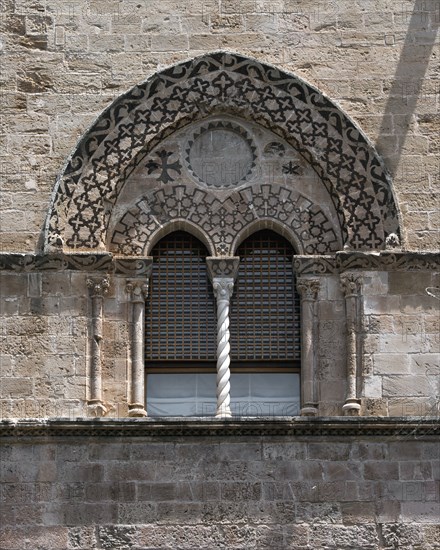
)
(265, 307)
(180, 314)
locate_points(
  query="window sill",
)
(237, 426)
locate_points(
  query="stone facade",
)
(63, 63)
(149, 490)
(50, 353)
(125, 121)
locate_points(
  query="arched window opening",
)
(265, 329)
(180, 330)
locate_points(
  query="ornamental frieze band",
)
(303, 265)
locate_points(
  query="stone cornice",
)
(87, 262)
(303, 265)
(407, 427)
(369, 261)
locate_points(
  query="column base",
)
(311, 409)
(97, 408)
(136, 410)
(223, 413)
(352, 407)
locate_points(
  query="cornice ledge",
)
(383, 260)
(388, 260)
(138, 266)
(76, 261)
(408, 427)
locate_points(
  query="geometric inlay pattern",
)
(165, 167)
(303, 220)
(349, 167)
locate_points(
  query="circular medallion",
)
(221, 154)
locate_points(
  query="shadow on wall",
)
(409, 78)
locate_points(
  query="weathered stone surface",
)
(391, 363)
(380, 470)
(369, 451)
(420, 512)
(63, 63)
(81, 512)
(333, 452)
(406, 385)
(41, 537)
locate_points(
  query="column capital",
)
(308, 288)
(222, 267)
(351, 283)
(98, 287)
(137, 289)
(223, 287)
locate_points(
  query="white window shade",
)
(253, 394)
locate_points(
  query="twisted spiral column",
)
(223, 288)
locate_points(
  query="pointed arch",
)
(269, 224)
(353, 173)
(179, 225)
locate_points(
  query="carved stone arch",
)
(306, 224)
(267, 223)
(179, 225)
(357, 182)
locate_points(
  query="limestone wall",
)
(338, 493)
(402, 339)
(64, 62)
(46, 345)
(122, 483)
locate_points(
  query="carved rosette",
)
(98, 288)
(392, 242)
(138, 292)
(223, 288)
(217, 137)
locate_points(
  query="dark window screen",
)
(265, 307)
(180, 315)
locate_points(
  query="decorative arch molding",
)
(177, 225)
(266, 223)
(304, 223)
(346, 162)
